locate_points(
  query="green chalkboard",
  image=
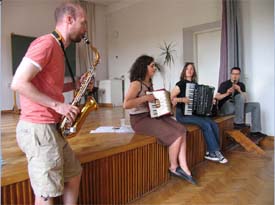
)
(20, 44)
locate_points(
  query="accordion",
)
(162, 105)
(201, 99)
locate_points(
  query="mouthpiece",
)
(86, 40)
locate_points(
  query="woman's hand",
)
(149, 98)
(175, 101)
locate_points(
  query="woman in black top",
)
(208, 126)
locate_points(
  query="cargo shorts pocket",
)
(26, 140)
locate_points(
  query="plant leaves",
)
(167, 50)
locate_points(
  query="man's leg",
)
(71, 190)
(70, 195)
(72, 175)
(45, 164)
(227, 108)
(43, 201)
(255, 110)
(239, 101)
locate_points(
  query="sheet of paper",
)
(111, 129)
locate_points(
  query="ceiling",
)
(105, 2)
(115, 5)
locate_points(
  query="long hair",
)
(69, 8)
(139, 68)
(183, 72)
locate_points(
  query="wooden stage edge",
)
(117, 168)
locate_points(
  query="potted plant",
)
(167, 51)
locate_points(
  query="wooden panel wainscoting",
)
(117, 167)
(120, 178)
(116, 179)
(17, 193)
(123, 177)
(225, 123)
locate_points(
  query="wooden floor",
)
(248, 179)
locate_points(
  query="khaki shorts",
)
(51, 161)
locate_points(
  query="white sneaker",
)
(222, 159)
(216, 157)
(211, 156)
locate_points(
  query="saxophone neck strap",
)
(59, 38)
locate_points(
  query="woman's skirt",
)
(164, 128)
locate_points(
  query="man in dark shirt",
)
(232, 100)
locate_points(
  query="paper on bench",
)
(111, 129)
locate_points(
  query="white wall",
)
(142, 28)
(100, 41)
(0, 61)
(258, 38)
(35, 18)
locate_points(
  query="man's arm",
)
(22, 84)
(220, 96)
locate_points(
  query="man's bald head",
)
(67, 8)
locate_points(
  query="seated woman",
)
(208, 126)
(167, 131)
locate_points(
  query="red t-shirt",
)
(47, 55)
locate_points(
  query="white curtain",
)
(82, 58)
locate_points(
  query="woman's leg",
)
(161, 128)
(215, 129)
(208, 134)
(182, 156)
(173, 150)
(180, 143)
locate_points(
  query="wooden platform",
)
(117, 168)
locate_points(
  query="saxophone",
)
(67, 128)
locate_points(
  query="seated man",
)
(232, 100)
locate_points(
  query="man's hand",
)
(69, 111)
(237, 87)
(230, 91)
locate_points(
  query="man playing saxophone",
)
(39, 80)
